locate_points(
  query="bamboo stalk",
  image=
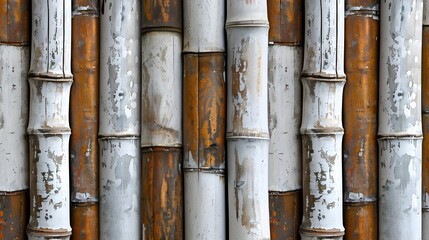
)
(400, 126)
(119, 121)
(284, 108)
(425, 120)
(161, 144)
(204, 126)
(247, 119)
(50, 80)
(84, 120)
(323, 79)
(360, 119)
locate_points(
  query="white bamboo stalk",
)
(161, 89)
(50, 80)
(120, 120)
(247, 119)
(203, 26)
(400, 127)
(14, 64)
(323, 80)
(284, 93)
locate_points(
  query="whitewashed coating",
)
(400, 187)
(284, 106)
(246, 13)
(14, 64)
(120, 68)
(203, 26)
(161, 89)
(247, 109)
(324, 39)
(400, 68)
(51, 39)
(248, 189)
(205, 214)
(120, 188)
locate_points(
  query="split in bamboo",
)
(247, 119)
(161, 127)
(425, 120)
(50, 80)
(323, 80)
(84, 162)
(119, 121)
(400, 125)
(360, 119)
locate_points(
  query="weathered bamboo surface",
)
(323, 80)
(204, 146)
(50, 80)
(360, 119)
(285, 214)
(286, 21)
(119, 121)
(161, 126)
(247, 119)
(13, 214)
(400, 125)
(15, 22)
(425, 120)
(84, 113)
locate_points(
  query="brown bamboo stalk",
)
(360, 119)
(161, 126)
(425, 120)
(84, 120)
(14, 64)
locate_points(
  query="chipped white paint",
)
(324, 39)
(51, 39)
(120, 188)
(400, 126)
(161, 89)
(14, 63)
(284, 93)
(203, 26)
(400, 187)
(205, 214)
(119, 126)
(248, 189)
(49, 134)
(120, 68)
(247, 119)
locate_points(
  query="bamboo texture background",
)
(214, 119)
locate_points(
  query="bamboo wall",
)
(214, 119)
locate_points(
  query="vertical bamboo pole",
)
(14, 65)
(84, 120)
(284, 106)
(323, 79)
(400, 126)
(360, 119)
(161, 129)
(50, 80)
(119, 128)
(425, 120)
(247, 119)
(204, 108)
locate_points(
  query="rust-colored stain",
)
(286, 21)
(360, 221)
(285, 215)
(425, 108)
(162, 194)
(84, 220)
(162, 14)
(204, 108)
(360, 106)
(13, 215)
(362, 4)
(15, 21)
(86, 5)
(84, 108)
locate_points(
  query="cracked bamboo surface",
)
(360, 119)
(84, 162)
(323, 80)
(400, 124)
